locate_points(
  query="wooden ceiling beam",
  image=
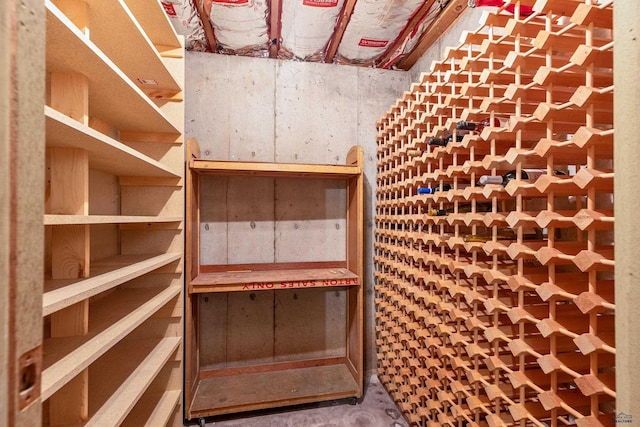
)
(447, 17)
(275, 27)
(341, 26)
(413, 23)
(204, 11)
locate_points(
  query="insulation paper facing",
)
(374, 25)
(424, 24)
(186, 21)
(240, 25)
(307, 26)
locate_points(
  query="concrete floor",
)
(376, 410)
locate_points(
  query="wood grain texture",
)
(104, 153)
(300, 317)
(255, 391)
(69, 49)
(461, 314)
(109, 324)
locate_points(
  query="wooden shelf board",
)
(280, 170)
(111, 319)
(155, 408)
(251, 391)
(155, 24)
(70, 51)
(105, 154)
(250, 277)
(107, 274)
(112, 26)
(51, 219)
(124, 375)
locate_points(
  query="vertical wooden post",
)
(626, 61)
(355, 241)
(21, 192)
(69, 174)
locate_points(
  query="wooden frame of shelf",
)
(113, 215)
(288, 380)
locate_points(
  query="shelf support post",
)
(68, 193)
(626, 156)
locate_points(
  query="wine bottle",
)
(442, 142)
(445, 187)
(529, 175)
(426, 190)
(462, 208)
(479, 126)
(490, 179)
(438, 212)
(505, 233)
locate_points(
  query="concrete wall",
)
(469, 20)
(268, 110)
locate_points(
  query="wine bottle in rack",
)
(462, 208)
(479, 126)
(442, 142)
(505, 233)
(529, 175)
(445, 187)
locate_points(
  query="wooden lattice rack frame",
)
(476, 326)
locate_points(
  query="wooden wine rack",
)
(507, 331)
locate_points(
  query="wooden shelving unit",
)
(270, 334)
(478, 321)
(112, 298)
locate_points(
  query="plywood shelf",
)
(51, 219)
(140, 61)
(113, 214)
(125, 374)
(69, 50)
(105, 153)
(155, 408)
(156, 26)
(226, 394)
(112, 318)
(281, 170)
(109, 273)
(251, 277)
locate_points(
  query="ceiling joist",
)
(414, 22)
(275, 9)
(341, 26)
(392, 56)
(439, 26)
(204, 10)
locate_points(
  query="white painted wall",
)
(260, 109)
